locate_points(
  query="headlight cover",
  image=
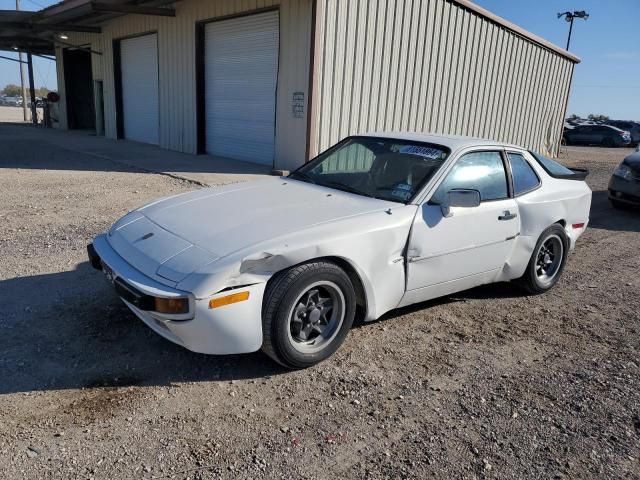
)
(623, 171)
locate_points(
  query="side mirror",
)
(464, 198)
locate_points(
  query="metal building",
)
(277, 81)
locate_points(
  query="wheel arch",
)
(351, 271)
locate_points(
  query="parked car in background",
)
(632, 127)
(603, 135)
(624, 187)
(377, 222)
(13, 101)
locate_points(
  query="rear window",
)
(552, 167)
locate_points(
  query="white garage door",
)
(241, 73)
(139, 64)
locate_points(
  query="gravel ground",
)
(484, 384)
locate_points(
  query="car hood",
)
(173, 237)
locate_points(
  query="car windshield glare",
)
(387, 169)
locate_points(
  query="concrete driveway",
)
(65, 149)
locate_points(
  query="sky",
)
(44, 71)
(605, 82)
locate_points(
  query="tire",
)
(292, 315)
(536, 279)
(565, 142)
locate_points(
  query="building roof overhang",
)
(39, 32)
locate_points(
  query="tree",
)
(598, 118)
(573, 116)
(42, 91)
(12, 90)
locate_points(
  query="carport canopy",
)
(39, 32)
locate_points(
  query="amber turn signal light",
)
(228, 300)
(172, 306)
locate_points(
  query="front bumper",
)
(231, 329)
(626, 191)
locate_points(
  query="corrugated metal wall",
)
(433, 66)
(177, 71)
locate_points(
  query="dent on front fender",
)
(372, 244)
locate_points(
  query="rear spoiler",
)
(578, 174)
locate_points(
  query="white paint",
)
(241, 73)
(139, 64)
(243, 234)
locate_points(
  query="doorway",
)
(78, 84)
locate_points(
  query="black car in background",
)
(632, 127)
(603, 135)
(624, 187)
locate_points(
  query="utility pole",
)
(24, 89)
(569, 17)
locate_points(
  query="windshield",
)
(393, 170)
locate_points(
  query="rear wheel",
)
(547, 262)
(308, 311)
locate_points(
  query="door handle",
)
(507, 215)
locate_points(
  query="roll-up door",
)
(241, 72)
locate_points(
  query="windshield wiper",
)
(304, 177)
(347, 188)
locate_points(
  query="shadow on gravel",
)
(605, 217)
(495, 290)
(69, 330)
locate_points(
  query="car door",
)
(465, 245)
(582, 134)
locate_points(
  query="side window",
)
(482, 171)
(524, 177)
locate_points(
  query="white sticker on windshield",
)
(427, 152)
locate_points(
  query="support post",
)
(32, 90)
(570, 30)
(25, 115)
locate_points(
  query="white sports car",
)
(377, 222)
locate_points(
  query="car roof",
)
(454, 142)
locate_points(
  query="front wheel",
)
(308, 311)
(547, 262)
